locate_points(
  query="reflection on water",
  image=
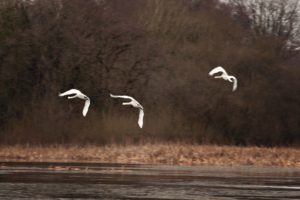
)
(118, 181)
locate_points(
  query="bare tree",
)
(272, 18)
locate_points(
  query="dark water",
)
(148, 182)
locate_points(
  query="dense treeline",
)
(160, 52)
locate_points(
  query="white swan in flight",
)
(133, 103)
(224, 76)
(80, 95)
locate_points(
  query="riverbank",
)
(171, 154)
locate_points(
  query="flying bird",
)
(77, 94)
(224, 76)
(134, 103)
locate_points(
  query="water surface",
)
(147, 182)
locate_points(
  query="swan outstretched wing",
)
(86, 107)
(69, 92)
(234, 83)
(141, 118)
(122, 96)
(217, 70)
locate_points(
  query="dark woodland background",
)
(159, 52)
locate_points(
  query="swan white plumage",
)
(77, 94)
(224, 76)
(134, 103)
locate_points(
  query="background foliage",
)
(160, 52)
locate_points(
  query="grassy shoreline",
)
(171, 154)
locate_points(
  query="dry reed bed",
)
(174, 154)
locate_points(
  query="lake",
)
(40, 180)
